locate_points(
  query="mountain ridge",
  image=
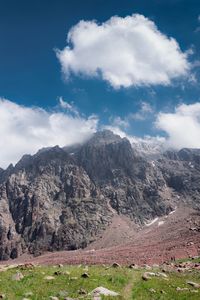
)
(62, 200)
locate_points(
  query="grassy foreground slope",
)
(42, 282)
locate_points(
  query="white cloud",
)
(126, 52)
(119, 122)
(25, 130)
(117, 130)
(182, 127)
(68, 106)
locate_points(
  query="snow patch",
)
(152, 222)
(191, 165)
(160, 223)
(173, 211)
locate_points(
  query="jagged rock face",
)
(181, 171)
(49, 203)
(130, 183)
(63, 198)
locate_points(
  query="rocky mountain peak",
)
(104, 137)
(63, 198)
(189, 154)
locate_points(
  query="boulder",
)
(194, 284)
(116, 265)
(85, 275)
(103, 291)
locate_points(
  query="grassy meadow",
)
(66, 282)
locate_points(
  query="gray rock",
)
(56, 200)
(194, 284)
(148, 275)
(28, 294)
(85, 275)
(103, 291)
(116, 265)
(18, 276)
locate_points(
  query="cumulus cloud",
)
(182, 126)
(25, 130)
(125, 52)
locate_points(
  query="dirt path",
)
(127, 291)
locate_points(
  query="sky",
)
(70, 68)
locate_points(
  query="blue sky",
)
(31, 76)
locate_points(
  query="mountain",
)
(64, 198)
(181, 171)
(150, 148)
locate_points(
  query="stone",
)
(103, 291)
(49, 277)
(28, 294)
(85, 275)
(18, 276)
(180, 270)
(82, 292)
(159, 274)
(147, 275)
(26, 266)
(152, 290)
(116, 265)
(58, 273)
(194, 284)
(53, 298)
(132, 266)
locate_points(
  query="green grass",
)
(41, 288)
(127, 282)
(168, 287)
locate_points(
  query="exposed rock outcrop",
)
(63, 198)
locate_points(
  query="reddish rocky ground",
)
(174, 236)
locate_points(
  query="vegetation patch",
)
(78, 282)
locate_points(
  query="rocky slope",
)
(181, 171)
(62, 199)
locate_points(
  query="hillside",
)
(66, 198)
